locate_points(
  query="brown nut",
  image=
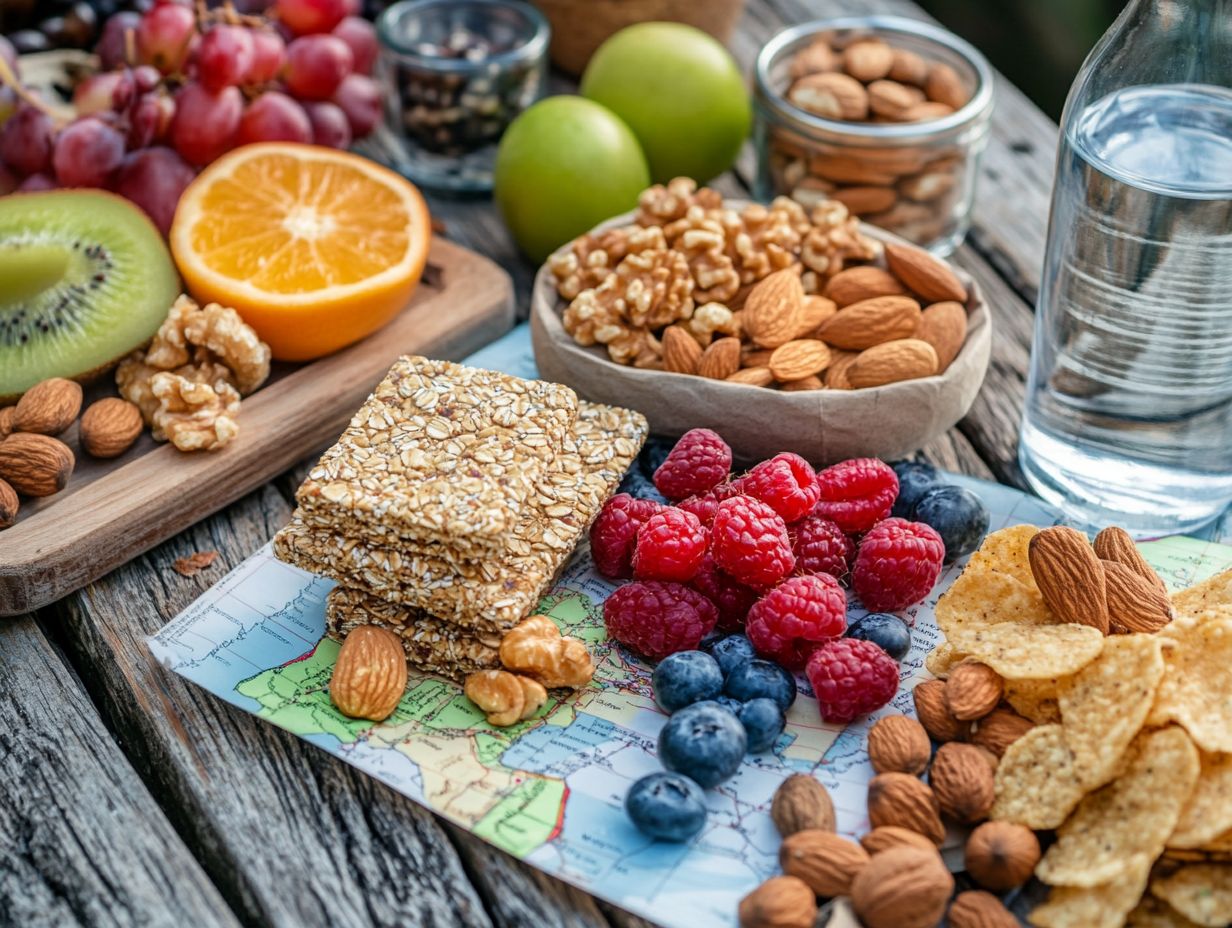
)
(109, 427)
(503, 696)
(871, 322)
(999, 729)
(904, 887)
(369, 675)
(908, 68)
(1112, 544)
(1134, 604)
(34, 464)
(721, 358)
(6, 421)
(48, 407)
(826, 862)
(923, 274)
(862, 282)
(888, 836)
(962, 781)
(1001, 855)
(934, 715)
(973, 690)
(780, 902)
(944, 326)
(1069, 576)
(801, 385)
(773, 308)
(536, 647)
(893, 362)
(903, 800)
(831, 96)
(864, 201)
(898, 744)
(868, 59)
(798, 359)
(681, 352)
(978, 909)
(9, 504)
(752, 376)
(891, 99)
(945, 86)
(801, 803)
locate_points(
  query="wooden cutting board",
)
(111, 511)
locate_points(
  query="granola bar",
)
(440, 452)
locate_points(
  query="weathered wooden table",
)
(130, 797)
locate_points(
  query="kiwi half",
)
(85, 278)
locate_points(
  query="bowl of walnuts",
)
(777, 325)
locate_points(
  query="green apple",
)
(564, 166)
(681, 93)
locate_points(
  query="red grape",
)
(27, 141)
(359, 98)
(269, 52)
(8, 181)
(88, 151)
(164, 35)
(360, 37)
(149, 119)
(305, 17)
(224, 57)
(274, 117)
(146, 78)
(154, 178)
(112, 47)
(36, 182)
(329, 125)
(110, 91)
(205, 123)
(316, 65)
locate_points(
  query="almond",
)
(926, 187)
(999, 729)
(6, 421)
(721, 359)
(929, 109)
(830, 96)
(802, 385)
(826, 862)
(908, 68)
(9, 504)
(1134, 605)
(898, 744)
(798, 359)
(801, 803)
(773, 309)
(904, 887)
(1001, 855)
(945, 86)
(888, 836)
(780, 902)
(48, 408)
(1069, 576)
(871, 322)
(836, 373)
(891, 99)
(923, 274)
(756, 357)
(35, 465)
(978, 909)
(752, 376)
(962, 781)
(817, 309)
(110, 426)
(865, 200)
(818, 57)
(1115, 544)
(892, 362)
(934, 715)
(944, 326)
(903, 800)
(973, 690)
(681, 352)
(868, 59)
(862, 282)
(852, 169)
(369, 675)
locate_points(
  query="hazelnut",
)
(780, 902)
(1001, 855)
(973, 690)
(800, 803)
(962, 780)
(904, 887)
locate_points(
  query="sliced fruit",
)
(84, 279)
(315, 248)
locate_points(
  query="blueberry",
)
(761, 678)
(915, 478)
(686, 677)
(763, 722)
(731, 652)
(732, 705)
(638, 485)
(667, 806)
(888, 632)
(959, 516)
(704, 742)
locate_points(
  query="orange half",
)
(314, 247)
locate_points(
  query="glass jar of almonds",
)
(885, 114)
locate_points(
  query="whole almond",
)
(962, 781)
(798, 359)
(892, 362)
(780, 902)
(944, 326)
(926, 187)
(817, 57)
(369, 674)
(1115, 544)
(862, 282)
(752, 376)
(835, 377)
(898, 744)
(934, 715)
(973, 690)
(923, 274)
(1001, 855)
(817, 309)
(826, 862)
(681, 352)
(865, 200)
(903, 800)
(871, 322)
(852, 169)
(891, 99)
(999, 729)
(801, 803)
(48, 407)
(868, 59)
(9, 504)
(929, 109)
(772, 311)
(888, 836)
(6, 421)
(721, 359)
(110, 426)
(802, 385)
(908, 68)
(1134, 605)
(830, 96)
(755, 357)
(1069, 576)
(945, 86)
(35, 465)
(978, 909)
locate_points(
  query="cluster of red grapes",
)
(178, 87)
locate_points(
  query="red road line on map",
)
(560, 816)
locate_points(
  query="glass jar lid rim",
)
(533, 47)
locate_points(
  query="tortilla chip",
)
(1036, 784)
(1005, 551)
(1104, 705)
(1208, 814)
(1102, 906)
(1129, 818)
(942, 659)
(1155, 913)
(1032, 652)
(1209, 600)
(982, 596)
(1196, 690)
(1200, 892)
(1035, 699)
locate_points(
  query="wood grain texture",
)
(82, 842)
(141, 499)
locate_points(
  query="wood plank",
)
(141, 500)
(81, 840)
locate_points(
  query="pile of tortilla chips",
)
(1131, 756)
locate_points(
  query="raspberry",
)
(700, 460)
(614, 532)
(704, 504)
(749, 540)
(897, 564)
(657, 619)
(857, 494)
(807, 608)
(670, 546)
(851, 677)
(786, 483)
(732, 597)
(821, 547)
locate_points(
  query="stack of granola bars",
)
(451, 503)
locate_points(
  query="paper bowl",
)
(824, 426)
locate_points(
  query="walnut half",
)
(506, 698)
(536, 647)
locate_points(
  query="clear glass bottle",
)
(1128, 415)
